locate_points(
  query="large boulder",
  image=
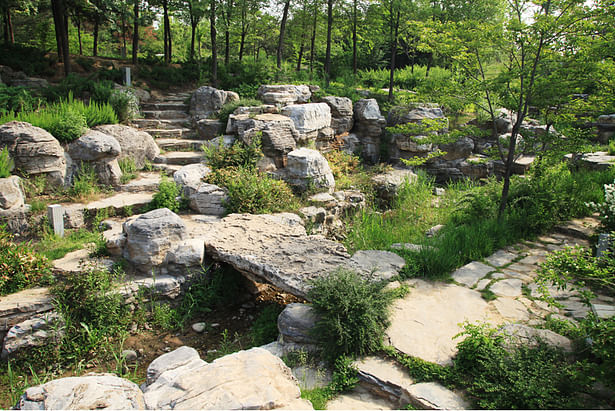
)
(414, 114)
(296, 322)
(190, 177)
(11, 194)
(284, 94)
(368, 127)
(252, 379)
(208, 199)
(207, 101)
(277, 139)
(94, 391)
(36, 331)
(459, 149)
(34, 151)
(387, 185)
(101, 152)
(307, 168)
(309, 119)
(135, 144)
(342, 118)
(150, 236)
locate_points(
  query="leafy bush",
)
(125, 104)
(20, 265)
(31, 60)
(353, 314)
(87, 88)
(601, 333)
(85, 183)
(503, 377)
(129, 169)
(265, 327)
(250, 191)
(607, 208)
(239, 154)
(230, 107)
(17, 99)
(167, 196)
(6, 163)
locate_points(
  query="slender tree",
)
(282, 30)
(227, 13)
(135, 31)
(328, 50)
(214, 46)
(60, 18)
(313, 39)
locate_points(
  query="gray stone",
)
(23, 305)
(79, 261)
(470, 273)
(307, 168)
(208, 199)
(433, 396)
(434, 230)
(190, 177)
(380, 264)
(284, 94)
(482, 284)
(387, 185)
(209, 128)
(199, 327)
(150, 236)
(369, 126)
(11, 194)
(384, 378)
(507, 288)
(414, 113)
(461, 148)
(130, 356)
(500, 258)
(207, 101)
(510, 309)
(309, 118)
(603, 311)
(360, 398)
(342, 119)
(171, 361)
(34, 151)
(296, 322)
(311, 376)
(519, 334)
(39, 330)
(188, 253)
(94, 391)
(94, 146)
(136, 145)
(278, 139)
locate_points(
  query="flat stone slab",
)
(507, 288)
(424, 322)
(470, 273)
(80, 261)
(360, 399)
(275, 249)
(510, 309)
(384, 377)
(145, 182)
(121, 200)
(433, 396)
(500, 258)
(603, 310)
(20, 306)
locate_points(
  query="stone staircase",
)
(168, 121)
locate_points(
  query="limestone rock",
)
(381, 264)
(433, 396)
(208, 199)
(306, 167)
(23, 305)
(470, 273)
(278, 139)
(284, 94)
(461, 148)
(232, 382)
(384, 378)
(387, 185)
(135, 144)
(11, 194)
(209, 128)
(520, 334)
(34, 151)
(361, 399)
(369, 126)
(34, 332)
(367, 110)
(309, 118)
(150, 236)
(296, 322)
(190, 177)
(341, 113)
(207, 101)
(171, 361)
(414, 113)
(188, 253)
(94, 146)
(507, 288)
(95, 391)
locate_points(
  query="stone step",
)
(175, 105)
(183, 97)
(145, 123)
(181, 158)
(171, 133)
(168, 169)
(20, 306)
(171, 144)
(120, 201)
(146, 182)
(165, 114)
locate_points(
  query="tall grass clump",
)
(6, 163)
(230, 107)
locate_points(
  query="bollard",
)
(55, 213)
(127, 81)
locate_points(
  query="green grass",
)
(54, 247)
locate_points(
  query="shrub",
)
(85, 182)
(239, 154)
(265, 327)
(353, 314)
(20, 265)
(167, 196)
(125, 104)
(250, 191)
(501, 376)
(6, 163)
(17, 99)
(230, 107)
(607, 208)
(129, 169)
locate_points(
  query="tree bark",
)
(9, 35)
(395, 33)
(282, 29)
(167, 32)
(214, 52)
(244, 30)
(313, 40)
(78, 24)
(303, 30)
(328, 50)
(135, 33)
(354, 37)
(227, 32)
(95, 36)
(60, 19)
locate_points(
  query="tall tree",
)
(328, 50)
(9, 35)
(60, 19)
(227, 15)
(214, 45)
(313, 39)
(167, 39)
(354, 37)
(135, 31)
(282, 30)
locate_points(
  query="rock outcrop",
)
(284, 94)
(11, 194)
(207, 101)
(34, 151)
(135, 144)
(369, 126)
(342, 119)
(307, 168)
(309, 119)
(101, 152)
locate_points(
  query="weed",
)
(265, 327)
(230, 107)
(129, 169)
(238, 155)
(6, 163)
(488, 295)
(54, 247)
(85, 183)
(165, 317)
(125, 104)
(168, 196)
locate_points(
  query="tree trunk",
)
(61, 27)
(214, 52)
(282, 29)
(328, 50)
(313, 40)
(166, 32)
(78, 24)
(244, 30)
(135, 33)
(95, 36)
(354, 37)
(303, 30)
(395, 32)
(193, 25)
(9, 35)
(227, 32)
(124, 49)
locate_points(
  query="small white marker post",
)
(127, 80)
(55, 213)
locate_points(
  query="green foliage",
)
(250, 191)
(239, 154)
(20, 265)
(85, 183)
(421, 370)
(167, 196)
(344, 376)
(230, 107)
(17, 99)
(125, 104)
(265, 327)
(611, 148)
(6, 163)
(606, 208)
(54, 247)
(419, 161)
(80, 87)
(501, 376)
(601, 333)
(32, 60)
(353, 314)
(165, 317)
(129, 169)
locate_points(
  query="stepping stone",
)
(165, 115)
(360, 399)
(165, 106)
(180, 158)
(433, 396)
(531, 260)
(528, 270)
(168, 169)
(507, 288)
(511, 310)
(581, 227)
(179, 144)
(170, 133)
(482, 284)
(553, 291)
(500, 258)
(20, 306)
(79, 261)
(424, 322)
(603, 311)
(145, 182)
(121, 200)
(575, 308)
(310, 376)
(515, 274)
(470, 273)
(548, 240)
(384, 377)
